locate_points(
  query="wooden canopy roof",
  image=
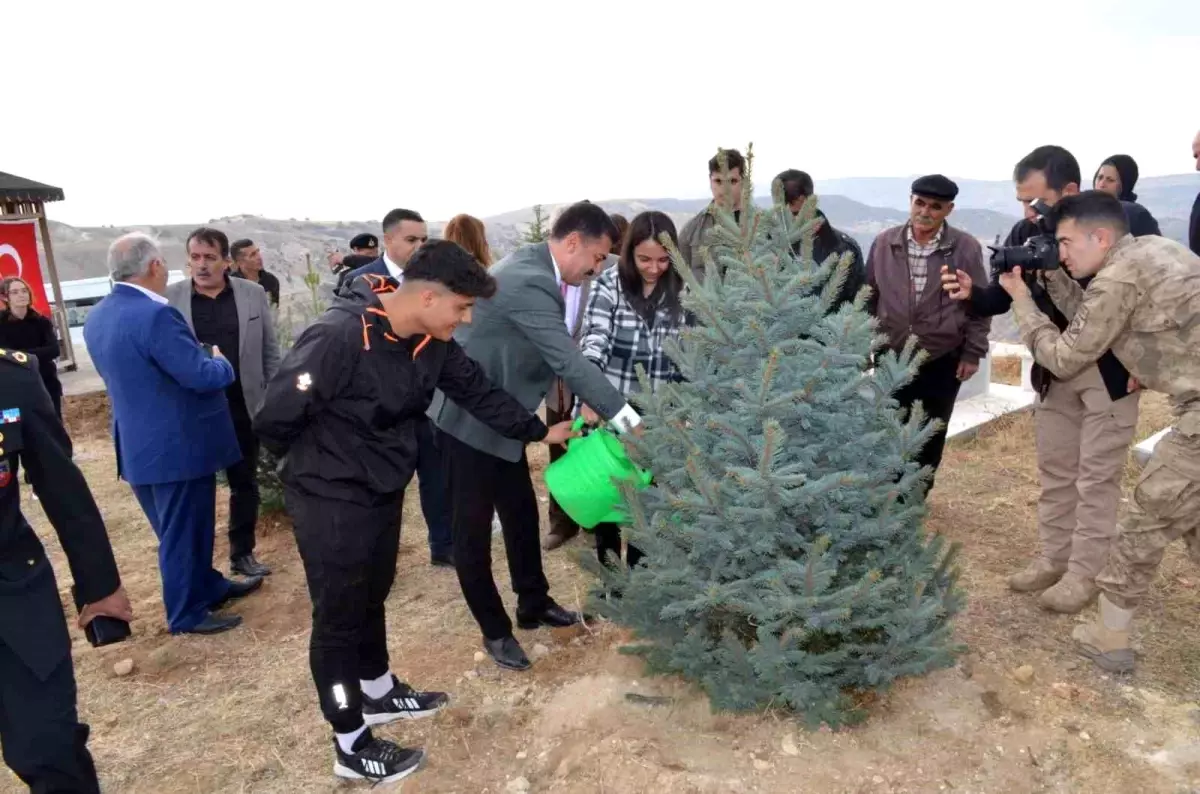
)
(15, 189)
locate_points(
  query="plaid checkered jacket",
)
(616, 338)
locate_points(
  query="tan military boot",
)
(1040, 574)
(1106, 640)
(1071, 594)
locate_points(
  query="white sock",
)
(379, 687)
(346, 740)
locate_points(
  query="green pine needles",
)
(786, 562)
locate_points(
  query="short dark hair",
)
(589, 219)
(1095, 208)
(210, 236)
(796, 184)
(238, 246)
(1057, 164)
(449, 264)
(399, 215)
(733, 159)
(622, 224)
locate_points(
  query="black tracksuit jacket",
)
(342, 409)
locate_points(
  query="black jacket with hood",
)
(342, 410)
(829, 241)
(1141, 222)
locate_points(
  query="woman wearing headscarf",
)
(1117, 175)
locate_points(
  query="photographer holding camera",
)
(1142, 302)
(1084, 423)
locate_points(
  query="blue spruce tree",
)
(786, 562)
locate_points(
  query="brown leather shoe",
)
(556, 538)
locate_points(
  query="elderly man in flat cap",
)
(903, 270)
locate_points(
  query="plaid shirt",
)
(918, 257)
(616, 338)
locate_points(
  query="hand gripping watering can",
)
(581, 481)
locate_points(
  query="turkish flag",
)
(19, 257)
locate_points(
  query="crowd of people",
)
(432, 362)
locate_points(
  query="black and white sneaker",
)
(377, 760)
(402, 703)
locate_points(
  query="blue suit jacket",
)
(377, 268)
(170, 418)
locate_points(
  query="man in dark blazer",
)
(404, 231)
(1194, 221)
(171, 427)
(519, 337)
(233, 314)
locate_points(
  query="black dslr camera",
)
(1039, 252)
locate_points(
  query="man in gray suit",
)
(560, 400)
(520, 339)
(235, 316)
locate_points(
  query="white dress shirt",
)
(154, 296)
(626, 418)
(393, 269)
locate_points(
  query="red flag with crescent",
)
(19, 257)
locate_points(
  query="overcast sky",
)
(182, 111)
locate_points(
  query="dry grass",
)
(237, 713)
(1007, 370)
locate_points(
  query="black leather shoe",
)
(552, 615)
(215, 624)
(442, 560)
(507, 653)
(248, 565)
(239, 590)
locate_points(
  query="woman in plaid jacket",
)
(632, 310)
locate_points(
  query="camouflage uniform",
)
(1144, 305)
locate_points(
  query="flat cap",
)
(364, 241)
(935, 186)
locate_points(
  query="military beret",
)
(935, 186)
(364, 241)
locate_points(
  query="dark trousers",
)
(432, 487)
(480, 483)
(44, 742)
(936, 388)
(183, 515)
(243, 492)
(349, 555)
(608, 545)
(560, 522)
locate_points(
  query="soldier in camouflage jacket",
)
(1144, 305)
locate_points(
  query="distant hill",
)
(80, 251)
(860, 207)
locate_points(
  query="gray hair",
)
(130, 256)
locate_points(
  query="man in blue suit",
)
(404, 231)
(171, 427)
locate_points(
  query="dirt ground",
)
(1020, 713)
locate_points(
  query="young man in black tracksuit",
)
(341, 412)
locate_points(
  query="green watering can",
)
(581, 481)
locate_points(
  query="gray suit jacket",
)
(520, 339)
(258, 347)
